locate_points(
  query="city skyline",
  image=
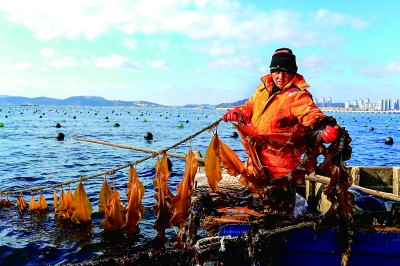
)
(361, 104)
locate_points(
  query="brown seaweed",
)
(64, 204)
(135, 209)
(218, 152)
(213, 163)
(21, 204)
(163, 196)
(81, 207)
(114, 213)
(342, 208)
(104, 196)
(180, 204)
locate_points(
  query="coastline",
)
(344, 110)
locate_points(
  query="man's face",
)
(281, 78)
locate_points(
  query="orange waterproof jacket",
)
(276, 114)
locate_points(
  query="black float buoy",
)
(60, 136)
(148, 136)
(58, 125)
(234, 135)
(389, 141)
(371, 128)
(116, 125)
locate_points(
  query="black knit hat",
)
(283, 60)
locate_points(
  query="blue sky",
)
(206, 51)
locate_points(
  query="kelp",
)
(21, 204)
(135, 209)
(38, 206)
(5, 203)
(81, 207)
(63, 209)
(180, 204)
(230, 160)
(41, 204)
(163, 196)
(306, 141)
(114, 213)
(32, 204)
(104, 196)
(213, 163)
(218, 152)
(55, 200)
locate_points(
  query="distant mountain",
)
(230, 105)
(99, 101)
(200, 106)
(75, 100)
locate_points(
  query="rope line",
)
(219, 242)
(112, 171)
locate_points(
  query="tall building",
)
(323, 102)
(329, 102)
(381, 105)
(396, 104)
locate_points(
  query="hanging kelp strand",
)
(180, 204)
(21, 204)
(5, 203)
(55, 200)
(81, 207)
(114, 213)
(163, 196)
(135, 209)
(104, 196)
(41, 204)
(64, 206)
(218, 152)
(213, 163)
(230, 160)
(32, 204)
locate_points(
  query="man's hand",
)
(329, 134)
(232, 115)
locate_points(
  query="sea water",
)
(32, 157)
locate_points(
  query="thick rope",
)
(217, 243)
(112, 171)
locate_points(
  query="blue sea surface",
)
(31, 157)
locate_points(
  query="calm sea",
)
(31, 157)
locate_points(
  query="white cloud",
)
(131, 44)
(234, 61)
(391, 69)
(117, 61)
(161, 64)
(197, 19)
(329, 19)
(65, 61)
(47, 52)
(23, 65)
(218, 48)
(314, 63)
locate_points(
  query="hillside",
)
(75, 100)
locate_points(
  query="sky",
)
(177, 52)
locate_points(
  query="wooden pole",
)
(384, 195)
(135, 148)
